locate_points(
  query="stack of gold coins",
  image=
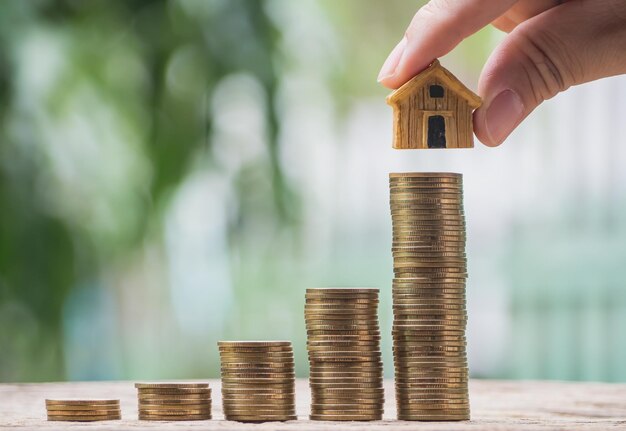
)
(258, 381)
(174, 401)
(83, 410)
(429, 296)
(343, 341)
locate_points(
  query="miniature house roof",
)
(435, 70)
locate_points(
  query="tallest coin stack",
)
(430, 270)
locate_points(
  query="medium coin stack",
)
(258, 381)
(343, 341)
(429, 296)
(174, 401)
(83, 410)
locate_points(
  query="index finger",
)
(436, 28)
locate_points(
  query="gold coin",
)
(336, 332)
(84, 418)
(173, 397)
(425, 182)
(403, 396)
(342, 351)
(240, 405)
(341, 342)
(249, 351)
(346, 379)
(340, 327)
(341, 305)
(258, 375)
(428, 311)
(265, 373)
(427, 176)
(346, 386)
(354, 367)
(344, 375)
(338, 410)
(429, 340)
(433, 348)
(446, 189)
(433, 418)
(93, 412)
(431, 332)
(421, 254)
(247, 393)
(454, 302)
(321, 400)
(420, 234)
(171, 391)
(430, 308)
(256, 360)
(82, 407)
(175, 404)
(267, 354)
(418, 380)
(345, 356)
(77, 402)
(442, 408)
(339, 392)
(174, 412)
(256, 418)
(259, 344)
(343, 348)
(363, 417)
(346, 319)
(443, 297)
(311, 302)
(254, 412)
(345, 338)
(369, 316)
(171, 385)
(151, 417)
(346, 290)
(406, 223)
(235, 384)
(436, 394)
(351, 329)
(274, 367)
(253, 382)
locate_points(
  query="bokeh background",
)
(173, 173)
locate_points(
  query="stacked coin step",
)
(83, 410)
(343, 343)
(174, 401)
(258, 380)
(430, 269)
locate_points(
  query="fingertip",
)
(390, 66)
(480, 129)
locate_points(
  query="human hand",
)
(552, 45)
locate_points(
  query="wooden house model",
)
(433, 110)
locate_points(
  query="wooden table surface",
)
(496, 405)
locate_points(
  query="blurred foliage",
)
(154, 64)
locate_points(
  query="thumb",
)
(576, 42)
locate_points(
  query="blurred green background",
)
(173, 173)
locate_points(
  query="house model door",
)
(436, 131)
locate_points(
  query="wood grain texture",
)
(496, 405)
(412, 106)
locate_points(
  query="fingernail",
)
(390, 65)
(503, 115)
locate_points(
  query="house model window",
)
(436, 91)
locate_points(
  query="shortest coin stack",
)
(174, 401)
(83, 410)
(258, 381)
